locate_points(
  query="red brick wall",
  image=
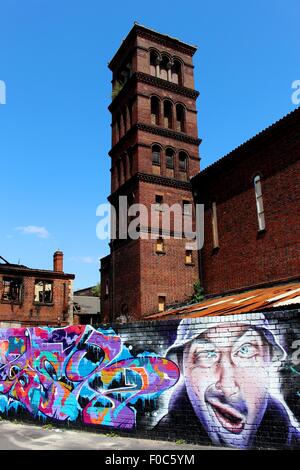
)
(246, 257)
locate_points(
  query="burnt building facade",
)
(32, 297)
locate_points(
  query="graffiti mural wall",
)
(232, 381)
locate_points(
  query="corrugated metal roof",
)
(256, 300)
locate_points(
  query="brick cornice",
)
(156, 130)
(171, 134)
(165, 40)
(154, 81)
(164, 181)
(152, 179)
(166, 85)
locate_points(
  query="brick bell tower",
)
(153, 156)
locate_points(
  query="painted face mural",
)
(79, 373)
(219, 373)
(229, 373)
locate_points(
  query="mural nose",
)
(227, 382)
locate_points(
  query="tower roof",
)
(163, 39)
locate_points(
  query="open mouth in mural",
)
(230, 418)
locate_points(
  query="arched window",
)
(153, 63)
(182, 161)
(176, 72)
(170, 158)
(259, 203)
(180, 118)
(168, 114)
(155, 155)
(164, 68)
(155, 110)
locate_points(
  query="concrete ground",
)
(19, 436)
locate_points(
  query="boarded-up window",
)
(182, 161)
(170, 158)
(156, 155)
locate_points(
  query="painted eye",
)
(206, 358)
(246, 351)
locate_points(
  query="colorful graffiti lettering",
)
(79, 373)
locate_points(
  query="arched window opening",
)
(176, 72)
(180, 118)
(155, 110)
(168, 114)
(153, 63)
(164, 65)
(259, 203)
(170, 158)
(155, 155)
(182, 161)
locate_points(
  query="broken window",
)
(12, 288)
(43, 292)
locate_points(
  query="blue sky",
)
(55, 126)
